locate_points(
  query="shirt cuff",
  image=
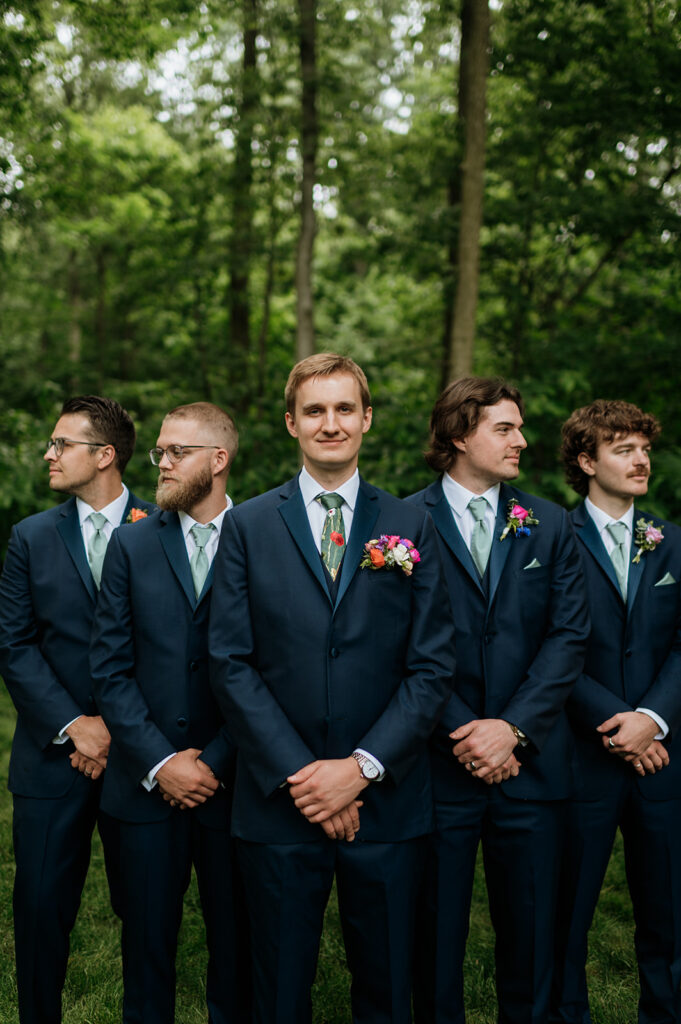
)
(659, 722)
(374, 760)
(62, 736)
(149, 780)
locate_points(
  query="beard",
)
(182, 497)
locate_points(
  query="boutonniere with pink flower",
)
(646, 537)
(390, 551)
(135, 514)
(519, 520)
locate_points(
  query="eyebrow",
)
(507, 423)
(317, 405)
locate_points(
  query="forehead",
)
(504, 411)
(74, 425)
(624, 441)
(181, 430)
(334, 389)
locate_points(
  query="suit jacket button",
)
(334, 652)
(628, 653)
(182, 722)
(194, 666)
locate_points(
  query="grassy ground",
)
(93, 988)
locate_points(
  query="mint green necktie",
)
(199, 563)
(481, 539)
(333, 534)
(96, 549)
(618, 555)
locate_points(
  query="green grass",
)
(94, 990)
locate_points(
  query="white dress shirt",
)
(316, 514)
(602, 521)
(186, 523)
(458, 498)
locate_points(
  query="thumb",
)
(304, 773)
(611, 723)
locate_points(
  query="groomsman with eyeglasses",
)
(48, 592)
(169, 779)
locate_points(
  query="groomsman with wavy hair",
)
(625, 710)
(500, 755)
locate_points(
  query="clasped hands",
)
(185, 780)
(325, 792)
(485, 748)
(92, 740)
(634, 740)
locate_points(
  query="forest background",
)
(194, 195)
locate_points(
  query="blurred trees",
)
(161, 163)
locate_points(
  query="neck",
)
(472, 481)
(208, 508)
(100, 493)
(330, 478)
(614, 505)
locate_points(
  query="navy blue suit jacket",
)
(149, 663)
(633, 657)
(300, 678)
(47, 601)
(519, 646)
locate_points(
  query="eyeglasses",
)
(60, 443)
(175, 452)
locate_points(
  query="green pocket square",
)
(666, 580)
(534, 564)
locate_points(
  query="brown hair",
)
(109, 424)
(324, 364)
(457, 413)
(214, 417)
(603, 420)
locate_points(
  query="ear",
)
(366, 422)
(291, 426)
(107, 456)
(586, 464)
(459, 443)
(220, 461)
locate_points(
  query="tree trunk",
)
(473, 68)
(308, 67)
(75, 332)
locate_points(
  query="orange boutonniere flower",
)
(135, 514)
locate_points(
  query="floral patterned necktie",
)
(333, 534)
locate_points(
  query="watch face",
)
(369, 770)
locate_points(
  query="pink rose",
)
(393, 539)
(653, 535)
(414, 555)
(518, 512)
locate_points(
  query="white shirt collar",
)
(310, 488)
(603, 520)
(186, 521)
(459, 496)
(113, 511)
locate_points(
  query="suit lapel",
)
(636, 569)
(500, 549)
(292, 511)
(172, 540)
(70, 532)
(445, 524)
(363, 519)
(587, 532)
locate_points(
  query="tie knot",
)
(201, 534)
(478, 507)
(329, 501)
(97, 520)
(618, 532)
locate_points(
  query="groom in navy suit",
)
(626, 712)
(48, 592)
(332, 663)
(169, 779)
(501, 752)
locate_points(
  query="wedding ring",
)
(637, 764)
(611, 743)
(474, 765)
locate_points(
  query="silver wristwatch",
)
(369, 770)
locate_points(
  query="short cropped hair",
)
(212, 416)
(602, 420)
(324, 364)
(457, 413)
(109, 424)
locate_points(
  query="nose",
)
(164, 458)
(330, 423)
(519, 441)
(50, 455)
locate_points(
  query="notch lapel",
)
(70, 532)
(363, 519)
(500, 549)
(172, 541)
(445, 524)
(636, 569)
(589, 536)
(292, 511)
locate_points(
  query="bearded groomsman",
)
(500, 755)
(169, 780)
(626, 712)
(48, 592)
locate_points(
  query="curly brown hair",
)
(457, 413)
(602, 420)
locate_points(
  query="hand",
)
(91, 737)
(323, 788)
(635, 732)
(345, 824)
(93, 769)
(486, 743)
(509, 768)
(186, 781)
(654, 759)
